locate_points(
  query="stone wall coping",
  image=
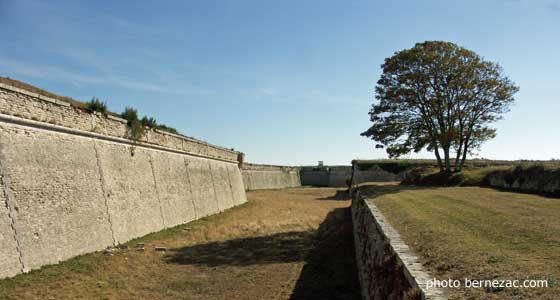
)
(109, 116)
(89, 134)
(34, 95)
(200, 142)
(413, 269)
(115, 118)
(264, 167)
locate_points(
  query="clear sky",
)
(286, 82)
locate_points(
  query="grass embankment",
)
(478, 233)
(540, 179)
(468, 177)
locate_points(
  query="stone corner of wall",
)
(413, 271)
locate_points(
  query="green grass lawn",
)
(478, 233)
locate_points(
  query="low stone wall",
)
(387, 268)
(258, 177)
(68, 189)
(531, 179)
(326, 176)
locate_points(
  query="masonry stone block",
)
(173, 188)
(204, 194)
(130, 190)
(220, 177)
(9, 257)
(236, 181)
(58, 206)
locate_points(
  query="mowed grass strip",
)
(478, 233)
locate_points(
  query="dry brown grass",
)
(267, 249)
(479, 233)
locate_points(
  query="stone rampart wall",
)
(258, 177)
(326, 176)
(71, 184)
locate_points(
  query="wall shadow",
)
(330, 270)
(339, 195)
(277, 248)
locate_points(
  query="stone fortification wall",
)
(386, 266)
(258, 177)
(326, 176)
(71, 184)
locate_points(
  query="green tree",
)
(440, 97)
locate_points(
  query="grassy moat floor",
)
(297, 244)
(282, 244)
(478, 233)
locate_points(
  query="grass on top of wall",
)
(542, 175)
(430, 176)
(469, 164)
(478, 233)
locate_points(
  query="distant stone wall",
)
(71, 184)
(314, 177)
(326, 176)
(258, 177)
(374, 174)
(387, 268)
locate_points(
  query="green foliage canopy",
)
(440, 97)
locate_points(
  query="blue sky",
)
(286, 82)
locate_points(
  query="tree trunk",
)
(438, 157)
(465, 148)
(447, 159)
(458, 158)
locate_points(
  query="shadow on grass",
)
(339, 195)
(281, 247)
(329, 271)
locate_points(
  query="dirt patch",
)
(283, 244)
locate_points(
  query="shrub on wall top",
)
(96, 105)
(135, 128)
(149, 122)
(130, 115)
